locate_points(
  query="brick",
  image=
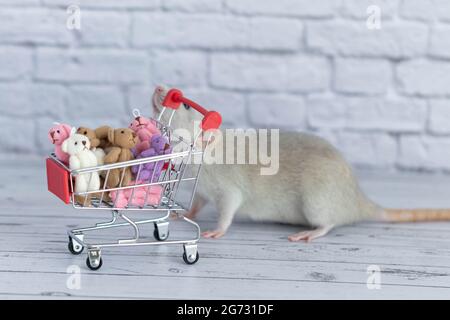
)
(264, 33)
(307, 74)
(193, 6)
(32, 99)
(362, 113)
(357, 9)
(420, 152)
(104, 29)
(15, 63)
(423, 77)
(425, 10)
(268, 72)
(92, 66)
(95, 102)
(440, 41)
(367, 150)
(439, 121)
(19, 2)
(362, 76)
(418, 9)
(183, 69)
(114, 4)
(11, 141)
(175, 30)
(277, 111)
(352, 38)
(442, 8)
(188, 31)
(293, 8)
(34, 25)
(245, 71)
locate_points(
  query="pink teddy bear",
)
(57, 135)
(122, 197)
(145, 128)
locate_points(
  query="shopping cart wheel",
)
(190, 254)
(94, 260)
(74, 247)
(161, 232)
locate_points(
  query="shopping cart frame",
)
(170, 180)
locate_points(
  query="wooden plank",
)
(236, 268)
(254, 260)
(318, 253)
(119, 286)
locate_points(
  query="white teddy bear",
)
(78, 148)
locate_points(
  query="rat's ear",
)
(111, 135)
(64, 146)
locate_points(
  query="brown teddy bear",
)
(95, 143)
(98, 151)
(122, 140)
(102, 135)
(92, 136)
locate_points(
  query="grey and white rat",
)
(314, 187)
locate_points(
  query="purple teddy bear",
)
(159, 145)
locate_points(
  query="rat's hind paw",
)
(216, 234)
(310, 234)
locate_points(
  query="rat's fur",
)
(314, 186)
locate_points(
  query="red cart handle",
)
(211, 119)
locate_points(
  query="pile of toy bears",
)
(84, 147)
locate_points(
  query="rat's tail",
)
(414, 215)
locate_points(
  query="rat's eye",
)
(57, 131)
(85, 132)
(186, 106)
(76, 143)
(122, 132)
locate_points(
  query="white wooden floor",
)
(254, 261)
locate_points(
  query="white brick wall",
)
(381, 96)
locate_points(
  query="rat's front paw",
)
(216, 234)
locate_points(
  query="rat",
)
(314, 186)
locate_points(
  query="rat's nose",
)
(83, 142)
(52, 134)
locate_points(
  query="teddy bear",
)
(102, 135)
(145, 195)
(159, 146)
(122, 141)
(95, 143)
(57, 135)
(145, 128)
(80, 156)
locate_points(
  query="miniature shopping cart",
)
(178, 168)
